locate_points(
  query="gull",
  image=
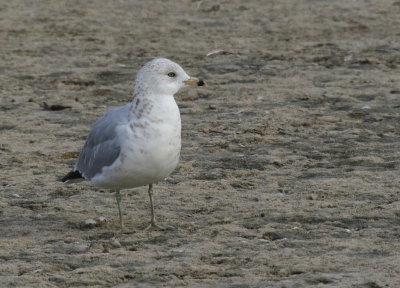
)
(139, 143)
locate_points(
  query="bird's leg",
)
(153, 225)
(118, 197)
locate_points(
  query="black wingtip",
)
(71, 176)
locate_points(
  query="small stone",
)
(348, 59)
(313, 197)
(263, 240)
(96, 248)
(56, 279)
(102, 219)
(90, 222)
(37, 216)
(80, 248)
(114, 243)
(37, 271)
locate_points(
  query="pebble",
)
(80, 248)
(37, 271)
(102, 219)
(89, 222)
(97, 248)
(114, 243)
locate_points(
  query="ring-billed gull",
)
(139, 143)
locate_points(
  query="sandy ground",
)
(289, 175)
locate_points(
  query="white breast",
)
(150, 147)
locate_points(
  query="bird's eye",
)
(171, 74)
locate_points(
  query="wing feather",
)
(102, 146)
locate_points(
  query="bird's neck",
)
(154, 105)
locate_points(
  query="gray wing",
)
(102, 146)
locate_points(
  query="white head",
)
(162, 76)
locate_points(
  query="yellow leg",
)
(118, 197)
(153, 225)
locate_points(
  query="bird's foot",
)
(154, 227)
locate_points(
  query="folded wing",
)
(102, 146)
